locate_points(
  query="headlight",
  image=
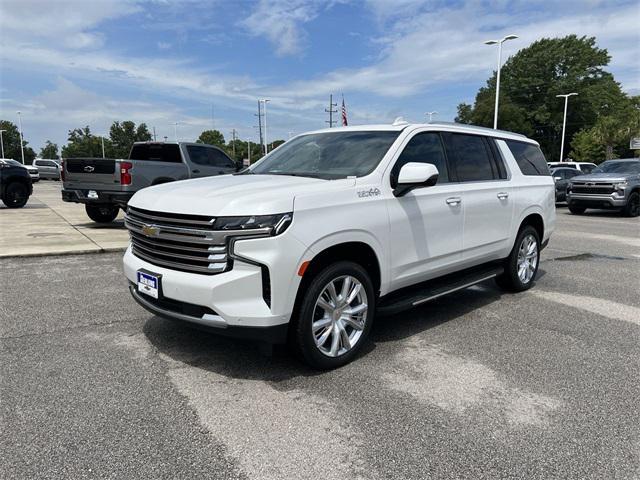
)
(277, 223)
(621, 185)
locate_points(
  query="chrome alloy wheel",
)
(339, 316)
(527, 258)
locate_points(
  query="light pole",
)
(2, 142)
(564, 120)
(499, 43)
(102, 140)
(21, 138)
(431, 114)
(175, 130)
(266, 145)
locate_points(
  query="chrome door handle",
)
(503, 195)
(454, 201)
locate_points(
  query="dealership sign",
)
(634, 144)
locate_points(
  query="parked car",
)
(584, 167)
(336, 225)
(105, 185)
(48, 168)
(561, 177)
(15, 184)
(33, 172)
(615, 184)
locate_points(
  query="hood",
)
(603, 177)
(233, 195)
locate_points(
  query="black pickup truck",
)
(15, 184)
(105, 185)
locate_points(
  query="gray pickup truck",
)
(615, 184)
(105, 185)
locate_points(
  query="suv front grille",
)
(592, 188)
(182, 242)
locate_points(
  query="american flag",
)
(344, 113)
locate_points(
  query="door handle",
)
(195, 171)
(503, 195)
(454, 201)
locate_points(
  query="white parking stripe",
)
(599, 306)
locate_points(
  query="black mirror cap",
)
(405, 188)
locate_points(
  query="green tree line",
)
(601, 119)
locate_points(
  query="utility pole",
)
(266, 145)
(259, 115)
(233, 142)
(2, 142)
(21, 137)
(331, 111)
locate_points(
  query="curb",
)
(64, 253)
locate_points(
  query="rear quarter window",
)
(529, 157)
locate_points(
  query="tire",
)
(632, 208)
(576, 210)
(15, 195)
(102, 213)
(525, 254)
(331, 324)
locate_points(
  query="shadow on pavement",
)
(115, 225)
(241, 359)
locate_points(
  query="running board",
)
(424, 292)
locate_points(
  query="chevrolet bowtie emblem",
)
(150, 230)
(89, 168)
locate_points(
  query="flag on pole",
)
(344, 113)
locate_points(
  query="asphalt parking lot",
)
(479, 384)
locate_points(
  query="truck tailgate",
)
(98, 173)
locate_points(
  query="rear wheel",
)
(521, 266)
(102, 213)
(576, 210)
(335, 316)
(16, 195)
(632, 208)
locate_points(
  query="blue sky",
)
(71, 63)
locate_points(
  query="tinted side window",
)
(423, 148)
(472, 160)
(199, 155)
(163, 152)
(219, 159)
(47, 163)
(572, 173)
(529, 158)
(587, 168)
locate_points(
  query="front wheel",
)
(102, 213)
(335, 316)
(632, 208)
(16, 195)
(521, 265)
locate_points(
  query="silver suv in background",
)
(47, 168)
(615, 184)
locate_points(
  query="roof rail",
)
(475, 127)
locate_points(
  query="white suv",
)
(334, 226)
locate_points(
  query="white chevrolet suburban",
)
(338, 225)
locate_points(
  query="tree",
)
(50, 150)
(124, 134)
(82, 143)
(533, 77)
(585, 147)
(212, 137)
(11, 142)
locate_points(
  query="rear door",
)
(206, 160)
(485, 192)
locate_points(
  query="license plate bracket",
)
(149, 284)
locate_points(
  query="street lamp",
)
(2, 142)
(21, 138)
(431, 114)
(102, 140)
(266, 145)
(564, 120)
(499, 43)
(175, 130)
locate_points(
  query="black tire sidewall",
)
(577, 210)
(628, 207)
(10, 191)
(94, 213)
(510, 279)
(303, 339)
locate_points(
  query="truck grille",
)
(187, 243)
(592, 188)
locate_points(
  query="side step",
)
(424, 292)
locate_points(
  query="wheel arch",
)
(536, 221)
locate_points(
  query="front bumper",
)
(80, 196)
(596, 201)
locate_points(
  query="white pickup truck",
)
(334, 226)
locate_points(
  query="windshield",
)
(618, 167)
(13, 162)
(328, 155)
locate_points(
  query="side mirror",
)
(415, 175)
